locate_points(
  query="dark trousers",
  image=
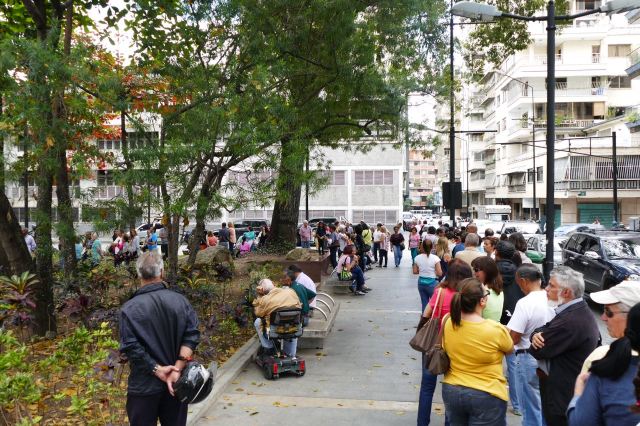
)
(147, 410)
(383, 256)
(551, 418)
(376, 249)
(333, 252)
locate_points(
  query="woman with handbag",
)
(474, 389)
(439, 305)
(348, 264)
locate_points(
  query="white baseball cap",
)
(627, 292)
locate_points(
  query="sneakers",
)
(359, 293)
(352, 288)
(366, 289)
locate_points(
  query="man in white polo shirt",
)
(531, 312)
(304, 280)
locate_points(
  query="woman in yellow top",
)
(474, 389)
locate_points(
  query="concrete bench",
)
(320, 325)
(335, 286)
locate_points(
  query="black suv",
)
(604, 258)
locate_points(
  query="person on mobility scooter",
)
(278, 324)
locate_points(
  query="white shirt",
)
(304, 280)
(531, 312)
(376, 236)
(31, 243)
(427, 265)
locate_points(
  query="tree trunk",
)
(13, 249)
(212, 182)
(65, 228)
(132, 211)
(174, 243)
(44, 312)
(284, 222)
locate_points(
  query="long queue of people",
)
(493, 309)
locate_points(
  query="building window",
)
(141, 140)
(108, 144)
(582, 5)
(619, 50)
(540, 174)
(619, 82)
(387, 217)
(446, 152)
(373, 177)
(337, 178)
(317, 213)
(530, 175)
(105, 178)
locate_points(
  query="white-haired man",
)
(563, 343)
(470, 252)
(158, 334)
(271, 298)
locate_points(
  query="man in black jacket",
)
(505, 253)
(563, 343)
(158, 334)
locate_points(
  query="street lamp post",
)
(452, 128)
(488, 13)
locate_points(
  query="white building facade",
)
(595, 97)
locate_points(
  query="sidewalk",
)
(366, 373)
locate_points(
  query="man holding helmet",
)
(158, 334)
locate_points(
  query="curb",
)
(226, 374)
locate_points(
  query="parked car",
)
(605, 258)
(563, 232)
(522, 226)
(144, 228)
(537, 247)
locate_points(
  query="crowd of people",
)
(511, 338)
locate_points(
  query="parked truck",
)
(494, 212)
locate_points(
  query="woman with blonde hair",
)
(443, 251)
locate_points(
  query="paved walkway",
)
(366, 373)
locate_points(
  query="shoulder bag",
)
(427, 336)
(436, 359)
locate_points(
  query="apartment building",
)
(423, 177)
(595, 97)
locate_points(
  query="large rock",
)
(299, 255)
(210, 257)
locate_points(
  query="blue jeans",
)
(426, 291)
(528, 388)
(305, 244)
(358, 276)
(514, 397)
(414, 253)
(427, 388)
(472, 407)
(397, 255)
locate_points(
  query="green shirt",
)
(493, 310)
(304, 294)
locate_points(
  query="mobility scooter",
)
(285, 324)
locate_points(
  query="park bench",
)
(321, 323)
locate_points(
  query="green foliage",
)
(633, 117)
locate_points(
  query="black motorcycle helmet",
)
(195, 382)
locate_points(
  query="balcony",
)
(490, 165)
(542, 59)
(590, 173)
(517, 188)
(634, 58)
(568, 124)
(108, 192)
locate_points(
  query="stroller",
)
(286, 323)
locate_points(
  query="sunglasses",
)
(610, 314)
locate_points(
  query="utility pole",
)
(550, 210)
(614, 160)
(452, 128)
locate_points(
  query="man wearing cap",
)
(617, 301)
(271, 298)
